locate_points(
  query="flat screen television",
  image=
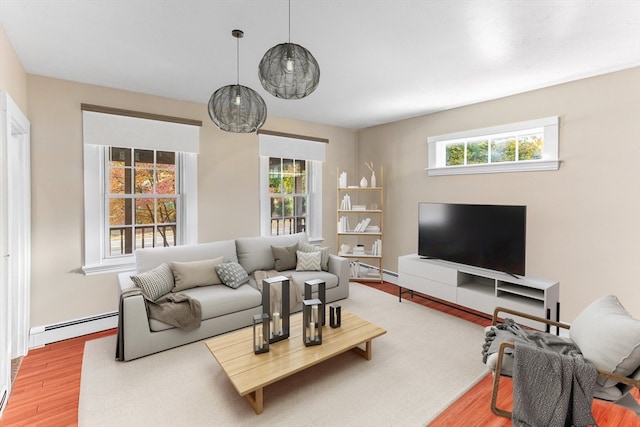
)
(486, 236)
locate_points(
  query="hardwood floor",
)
(47, 387)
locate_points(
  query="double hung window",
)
(140, 185)
(291, 186)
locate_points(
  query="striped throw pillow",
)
(156, 282)
(308, 261)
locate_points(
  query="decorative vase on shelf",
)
(373, 179)
(363, 182)
(344, 248)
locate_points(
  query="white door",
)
(15, 240)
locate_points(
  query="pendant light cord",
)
(289, 21)
(238, 60)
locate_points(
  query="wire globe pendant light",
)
(288, 70)
(237, 108)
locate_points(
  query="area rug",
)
(426, 361)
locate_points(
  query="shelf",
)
(358, 233)
(509, 289)
(358, 255)
(366, 207)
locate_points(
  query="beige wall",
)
(583, 220)
(227, 188)
(13, 78)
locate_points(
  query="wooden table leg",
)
(256, 400)
(366, 353)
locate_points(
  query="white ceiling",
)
(380, 60)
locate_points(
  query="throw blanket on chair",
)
(552, 383)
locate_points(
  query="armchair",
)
(606, 335)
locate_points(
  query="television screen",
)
(487, 236)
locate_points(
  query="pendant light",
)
(288, 70)
(237, 108)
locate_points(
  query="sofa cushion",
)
(156, 282)
(192, 274)
(232, 274)
(285, 256)
(218, 300)
(308, 247)
(308, 261)
(608, 337)
(149, 258)
(254, 253)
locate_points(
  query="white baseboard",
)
(42, 335)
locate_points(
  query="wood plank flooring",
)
(47, 387)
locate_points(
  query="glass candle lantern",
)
(311, 323)
(275, 303)
(321, 293)
(260, 333)
(335, 315)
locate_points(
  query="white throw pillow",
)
(308, 261)
(608, 337)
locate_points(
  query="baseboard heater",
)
(42, 335)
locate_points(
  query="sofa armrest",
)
(340, 267)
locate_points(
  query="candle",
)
(260, 340)
(276, 323)
(314, 313)
(312, 331)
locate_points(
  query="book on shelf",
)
(342, 182)
(345, 204)
(359, 207)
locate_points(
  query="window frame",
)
(548, 161)
(284, 146)
(96, 209)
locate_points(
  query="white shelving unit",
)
(479, 289)
(365, 203)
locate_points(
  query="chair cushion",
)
(192, 274)
(608, 337)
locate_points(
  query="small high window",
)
(523, 146)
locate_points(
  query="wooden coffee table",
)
(250, 372)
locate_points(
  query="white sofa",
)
(223, 308)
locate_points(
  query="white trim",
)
(528, 166)
(46, 334)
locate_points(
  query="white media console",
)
(478, 288)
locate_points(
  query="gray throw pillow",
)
(232, 274)
(155, 282)
(285, 257)
(192, 274)
(324, 253)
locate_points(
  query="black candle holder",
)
(322, 295)
(278, 311)
(335, 315)
(261, 333)
(311, 327)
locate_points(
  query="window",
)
(140, 185)
(288, 195)
(291, 186)
(141, 198)
(531, 145)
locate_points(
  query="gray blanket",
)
(552, 383)
(177, 310)
(174, 309)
